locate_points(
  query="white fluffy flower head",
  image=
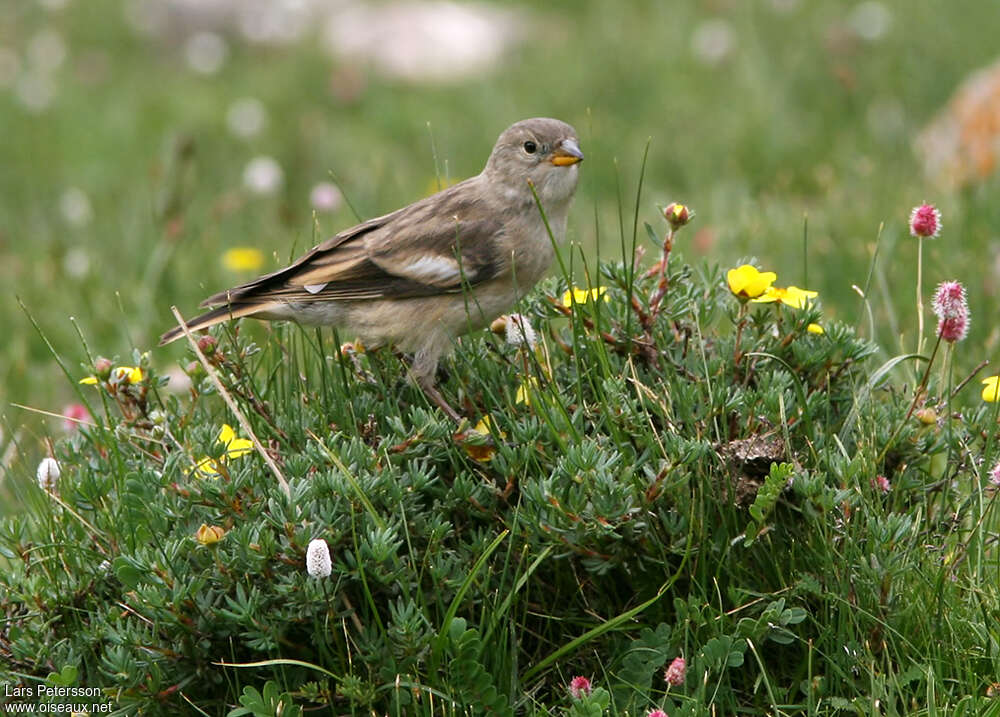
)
(520, 331)
(318, 562)
(48, 474)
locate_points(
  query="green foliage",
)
(472, 681)
(269, 703)
(767, 496)
(639, 509)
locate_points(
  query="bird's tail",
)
(217, 316)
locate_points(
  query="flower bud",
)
(209, 534)
(102, 368)
(927, 416)
(207, 344)
(677, 215)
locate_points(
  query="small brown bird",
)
(433, 270)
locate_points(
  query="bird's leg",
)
(423, 371)
(427, 386)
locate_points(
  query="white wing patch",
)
(315, 288)
(433, 268)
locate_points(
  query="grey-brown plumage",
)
(426, 273)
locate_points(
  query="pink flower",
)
(995, 475)
(952, 311)
(325, 197)
(676, 672)
(657, 713)
(925, 221)
(73, 415)
(881, 483)
(579, 687)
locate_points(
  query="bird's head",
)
(544, 151)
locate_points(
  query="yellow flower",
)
(243, 258)
(235, 448)
(484, 452)
(746, 282)
(209, 534)
(815, 329)
(792, 296)
(992, 386)
(582, 296)
(524, 390)
(127, 374)
(120, 374)
(485, 427)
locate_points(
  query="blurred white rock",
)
(429, 41)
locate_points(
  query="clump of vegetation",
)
(678, 489)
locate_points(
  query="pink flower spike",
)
(925, 221)
(73, 415)
(676, 672)
(657, 713)
(952, 310)
(995, 475)
(881, 483)
(579, 687)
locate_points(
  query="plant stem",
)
(920, 298)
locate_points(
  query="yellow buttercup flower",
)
(992, 386)
(815, 329)
(747, 282)
(127, 374)
(582, 296)
(486, 428)
(235, 448)
(792, 296)
(120, 374)
(243, 258)
(484, 452)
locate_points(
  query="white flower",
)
(870, 20)
(246, 117)
(46, 51)
(205, 52)
(318, 559)
(263, 175)
(48, 474)
(520, 331)
(74, 205)
(325, 197)
(713, 41)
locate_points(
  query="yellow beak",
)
(566, 153)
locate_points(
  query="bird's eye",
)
(530, 147)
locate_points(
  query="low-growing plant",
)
(679, 489)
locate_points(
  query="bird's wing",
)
(436, 245)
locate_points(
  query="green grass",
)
(755, 145)
(602, 538)
(666, 492)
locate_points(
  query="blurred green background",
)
(133, 132)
